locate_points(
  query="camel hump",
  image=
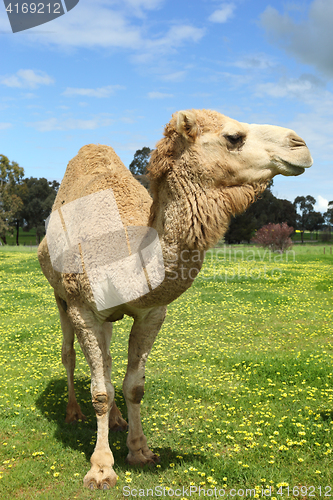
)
(96, 168)
(94, 159)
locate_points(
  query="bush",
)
(276, 237)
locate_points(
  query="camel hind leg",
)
(142, 337)
(116, 421)
(73, 410)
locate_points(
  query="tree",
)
(139, 164)
(315, 222)
(305, 205)
(329, 214)
(328, 218)
(38, 203)
(10, 172)
(11, 192)
(10, 207)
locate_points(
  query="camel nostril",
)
(295, 141)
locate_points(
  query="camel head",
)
(230, 153)
(215, 167)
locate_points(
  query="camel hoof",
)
(156, 459)
(117, 424)
(92, 485)
(73, 414)
(143, 458)
(73, 419)
(152, 461)
(100, 478)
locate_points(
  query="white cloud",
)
(177, 35)
(127, 119)
(96, 24)
(303, 87)
(223, 14)
(321, 205)
(70, 124)
(176, 76)
(29, 95)
(233, 80)
(256, 61)
(26, 78)
(99, 92)
(310, 39)
(5, 125)
(158, 95)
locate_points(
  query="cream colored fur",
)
(206, 168)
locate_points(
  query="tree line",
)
(24, 202)
(27, 202)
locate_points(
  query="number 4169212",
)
(34, 8)
(310, 491)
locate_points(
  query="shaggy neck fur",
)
(192, 212)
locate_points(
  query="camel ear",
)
(187, 125)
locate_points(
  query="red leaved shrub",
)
(276, 237)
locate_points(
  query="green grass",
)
(239, 389)
(21, 248)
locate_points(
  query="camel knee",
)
(137, 394)
(101, 403)
(102, 399)
(133, 391)
(134, 395)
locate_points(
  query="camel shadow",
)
(81, 435)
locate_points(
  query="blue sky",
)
(113, 72)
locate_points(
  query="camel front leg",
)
(95, 340)
(141, 340)
(73, 410)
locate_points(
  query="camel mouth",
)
(287, 168)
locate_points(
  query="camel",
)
(206, 168)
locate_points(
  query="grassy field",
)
(239, 390)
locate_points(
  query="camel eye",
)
(235, 139)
